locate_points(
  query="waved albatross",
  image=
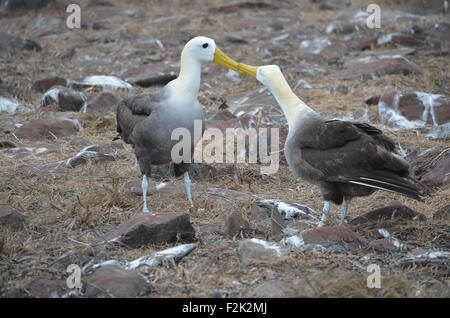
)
(344, 159)
(147, 121)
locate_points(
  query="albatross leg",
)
(144, 193)
(325, 211)
(344, 207)
(187, 187)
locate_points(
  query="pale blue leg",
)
(325, 211)
(187, 187)
(144, 193)
(344, 208)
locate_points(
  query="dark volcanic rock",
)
(8, 42)
(236, 225)
(386, 244)
(255, 249)
(46, 288)
(45, 84)
(11, 218)
(335, 237)
(48, 128)
(67, 98)
(397, 109)
(149, 75)
(105, 103)
(153, 229)
(377, 68)
(390, 212)
(116, 282)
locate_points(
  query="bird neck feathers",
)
(293, 107)
(187, 84)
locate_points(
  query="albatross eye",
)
(205, 45)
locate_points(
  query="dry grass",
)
(72, 208)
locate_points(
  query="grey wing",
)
(356, 154)
(133, 110)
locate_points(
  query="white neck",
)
(293, 107)
(187, 84)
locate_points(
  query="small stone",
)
(390, 212)
(386, 244)
(104, 102)
(116, 282)
(338, 238)
(46, 288)
(11, 218)
(48, 128)
(147, 75)
(377, 68)
(277, 224)
(256, 249)
(45, 84)
(153, 229)
(236, 225)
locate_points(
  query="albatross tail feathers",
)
(388, 181)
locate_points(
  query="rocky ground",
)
(69, 195)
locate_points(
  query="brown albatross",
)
(344, 159)
(147, 121)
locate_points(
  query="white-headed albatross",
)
(147, 121)
(344, 159)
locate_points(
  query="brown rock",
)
(46, 288)
(153, 229)
(377, 68)
(418, 106)
(154, 74)
(236, 225)
(277, 224)
(48, 128)
(386, 244)
(11, 218)
(116, 282)
(390, 212)
(45, 84)
(336, 237)
(255, 249)
(104, 102)
(67, 98)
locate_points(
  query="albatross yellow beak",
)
(224, 60)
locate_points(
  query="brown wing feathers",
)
(389, 173)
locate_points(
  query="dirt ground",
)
(72, 208)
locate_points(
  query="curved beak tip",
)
(222, 59)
